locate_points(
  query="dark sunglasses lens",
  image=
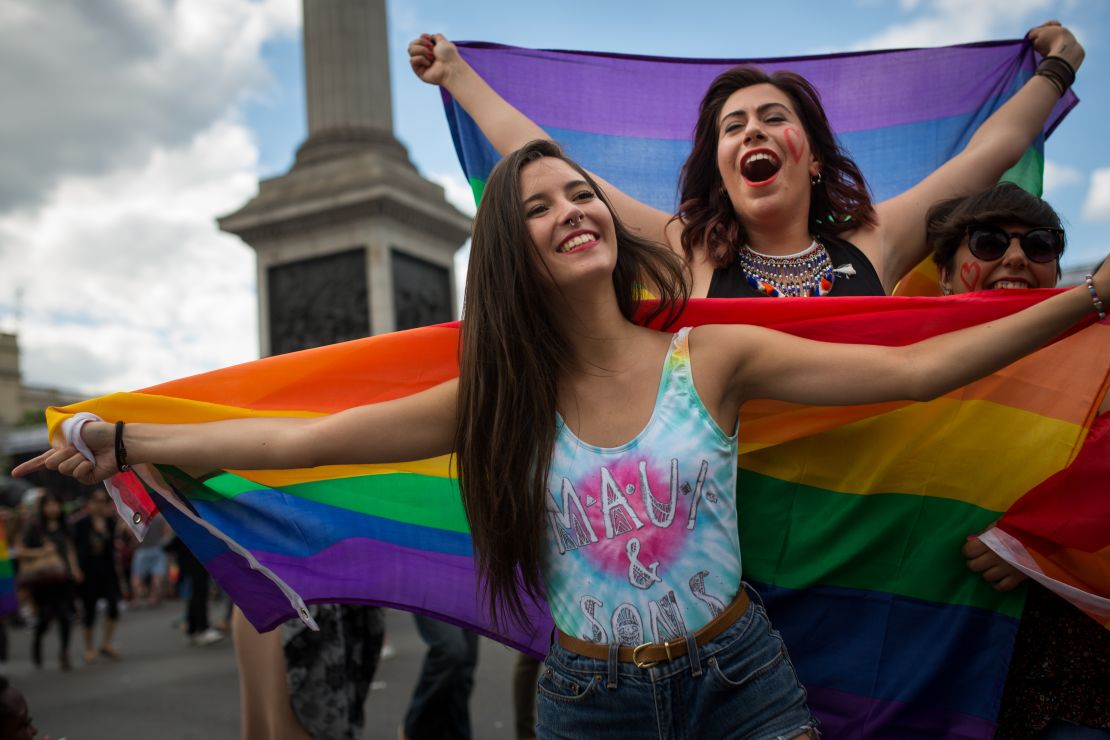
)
(988, 243)
(1041, 245)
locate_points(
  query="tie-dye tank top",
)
(641, 544)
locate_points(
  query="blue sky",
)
(120, 153)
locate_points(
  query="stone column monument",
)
(352, 240)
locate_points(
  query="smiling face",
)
(570, 226)
(763, 153)
(1012, 270)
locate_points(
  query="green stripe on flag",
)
(428, 501)
(1028, 173)
(796, 536)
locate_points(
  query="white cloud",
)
(1097, 205)
(946, 22)
(126, 280)
(1058, 177)
(456, 190)
(92, 86)
(123, 143)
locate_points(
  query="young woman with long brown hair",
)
(597, 457)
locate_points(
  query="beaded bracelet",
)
(1090, 280)
(121, 451)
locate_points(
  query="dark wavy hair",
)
(947, 221)
(40, 505)
(512, 353)
(840, 202)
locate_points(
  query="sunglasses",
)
(988, 242)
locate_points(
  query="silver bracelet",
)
(1090, 280)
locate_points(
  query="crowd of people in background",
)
(75, 563)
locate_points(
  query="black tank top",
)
(730, 282)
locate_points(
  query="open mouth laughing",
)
(759, 166)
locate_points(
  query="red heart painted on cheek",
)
(969, 275)
(794, 142)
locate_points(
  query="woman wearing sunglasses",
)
(1005, 238)
(998, 239)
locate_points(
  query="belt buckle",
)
(642, 663)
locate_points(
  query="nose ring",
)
(574, 220)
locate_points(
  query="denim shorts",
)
(740, 684)
(148, 561)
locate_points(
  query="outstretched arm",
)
(410, 428)
(754, 362)
(997, 145)
(435, 60)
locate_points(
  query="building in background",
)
(352, 241)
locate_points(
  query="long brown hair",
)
(839, 203)
(512, 352)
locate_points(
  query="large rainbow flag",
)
(852, 517)
(900, 114)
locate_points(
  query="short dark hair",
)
(947, 221)
(839, 202)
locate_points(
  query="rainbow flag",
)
(852, 517)
(900, 114)
(9, 604)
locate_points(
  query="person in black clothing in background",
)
(199, 631)
(94, 536)
(52, 588)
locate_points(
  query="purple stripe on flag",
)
(658, 98)
(361, 570)
(845, 715)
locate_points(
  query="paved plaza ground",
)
(165, 689)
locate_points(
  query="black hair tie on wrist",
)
(121, 451)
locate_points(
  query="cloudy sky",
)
(129, 125)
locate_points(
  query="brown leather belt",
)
(653, 653)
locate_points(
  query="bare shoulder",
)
(712, 344)
(717, 357)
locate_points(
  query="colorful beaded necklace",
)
(805, 273)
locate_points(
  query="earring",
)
(721, 190)
(815, 180)
(946, 289)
